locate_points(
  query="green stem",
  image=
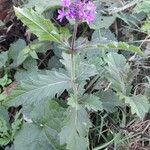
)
(74, 36)
(73, 61)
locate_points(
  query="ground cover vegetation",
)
(75, 75)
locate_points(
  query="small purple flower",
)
(80, 10)
(61, 14)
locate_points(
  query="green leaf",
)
(83, 70)
(75, 132)
(41, 27)
(118, 71)
(31, 50)
(38, 87)
(43, 135)
(118, 46)
(22, 56)
(49, 113)
(5, 80)
(54, 62)
(41, 6)
(101, 21)
(139, 105)
(16, 125)
(92, 102)
(143, 6)
(32, 137)
(4, 127)
(15, 49)
(109, 100)
(30, 69)
(3, 59)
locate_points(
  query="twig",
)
(116, 10)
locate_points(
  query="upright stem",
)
(74, 36)
(73, 60)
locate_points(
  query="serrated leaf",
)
(83, 70)
(32, 137)
(39, 87)
(48, 116)
(75, 132)
(30, 69)
(118, 71)
(109, 100)
(118, 46)
(41, 27)
(15, 49)
(49, 113)
(22, 56)
(101, 21)
(139, 105)
(54, 62)
(31, 50)
(92, 102)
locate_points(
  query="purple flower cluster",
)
(80, 10)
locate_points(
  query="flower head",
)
(61, 14)
(80, 10)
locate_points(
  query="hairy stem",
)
(73, 61)
(74, 36)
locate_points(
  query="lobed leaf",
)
(75, 132)
(38, 87)
(139, 105)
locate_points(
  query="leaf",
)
(31, 50)
(49, 113)
(16, 125)
(139, 105)
(143, 6)
(22, 56)
(38, 87)
(3, 59)
(83, 70)
(29, 69)
(54, 62)
(101, 21)
(118, 71)
(4, 127)
(5, 80)
(43, 135)
(92, 102)
(41, 27)
(32, 137)
(109, 100)
(41, 6)
(15, 49)
(75, 132)
(118, 46)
